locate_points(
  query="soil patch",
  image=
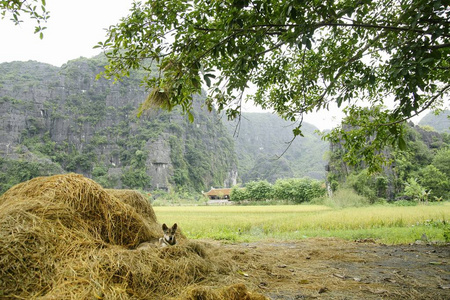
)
(337, 269)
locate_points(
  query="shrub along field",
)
(383, 223)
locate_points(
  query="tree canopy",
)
(35, 9)
(382, 61)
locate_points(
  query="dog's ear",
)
(164, 226)
(174, 227)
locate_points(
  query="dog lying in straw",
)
(167, 240)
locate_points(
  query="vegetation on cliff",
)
(420, 173)
(262, 146)
(78, 124)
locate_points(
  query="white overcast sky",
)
(74, 28)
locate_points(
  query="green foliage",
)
(419, 162)
(238, 194)
(181, 173)
(13, 172)
(17, 171)
(300, 57)
(415, 190)
(199, 166)
(80, 162)
(342, 198)
(109, 181)
(99, 171)
(333, 182)
(259, 190)
(442, 161)
(447, 233)
(436, 183)
(196, 160)
(286, 190)
(298, 190)
(136, 179)
(372, 186)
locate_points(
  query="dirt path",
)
(336, 269)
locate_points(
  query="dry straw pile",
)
(65, 237)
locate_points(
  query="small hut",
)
(218, 196)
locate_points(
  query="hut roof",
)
(217, 192)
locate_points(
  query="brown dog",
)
(167, 240)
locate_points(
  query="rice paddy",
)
(384, 223)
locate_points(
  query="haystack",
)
(142, 207)
(65, 237)
(135, 200)
(107, 218)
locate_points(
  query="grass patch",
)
(343, 198)
(384, 223)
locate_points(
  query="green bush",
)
(435, 182)
(99, 171)
(442, 161)
(368, 185)
(298, 190)
(13, 172)
(342, 198)
(414, 190)
(238, 194)
(136, 179)
(259, 190)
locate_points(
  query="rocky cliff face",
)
(262, 145)
(79, 124)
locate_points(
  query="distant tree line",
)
(420, 173)
(297, 190)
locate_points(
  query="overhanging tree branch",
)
(427, 105)
(321, 24)
(221, 36)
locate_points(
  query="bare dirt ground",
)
(337, 269)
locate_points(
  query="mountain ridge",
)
(90, 127)
(264, 151)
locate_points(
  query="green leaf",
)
(297, 131)
(308, 44)
(207, 80)
(402, 143)
(190, 117)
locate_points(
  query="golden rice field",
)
(383, 223)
